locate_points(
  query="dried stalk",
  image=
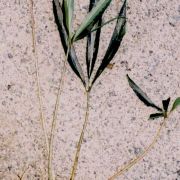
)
(74, 168)
(42, 119)
(141, 156)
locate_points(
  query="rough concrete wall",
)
(118, 128)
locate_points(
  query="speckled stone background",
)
(118, 129)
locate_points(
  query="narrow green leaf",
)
(93, 40)
(176, 104)
(93, 16)
(166, 104)
(155, 116)
(141, 95)
(72, 58)
(115, 42)
(105, 23)
(68, 9)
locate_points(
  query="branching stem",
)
(141, 156)
(75, 164)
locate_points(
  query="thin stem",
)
(42, 119)
(96, 28)
(75, 164)
(51, 140)
(141, 156)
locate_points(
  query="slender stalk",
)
(75, 164)
(51, 140)
(141, 156)
(42, 119)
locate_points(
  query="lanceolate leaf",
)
(141, 95)
(166, 104)
(155, 116)
(176, 104)
(93, 43)
(115, 42)
(68, 9)
(72, 58)
(91, 19)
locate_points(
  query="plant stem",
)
(42, 119)
(75, 164)
(51, 140)
(141, 156)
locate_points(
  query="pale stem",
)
(75, 164)
(141, 156)
(42, 119)
(51, 175)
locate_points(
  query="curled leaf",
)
(176, 104)
(141, 95)
(155, 116)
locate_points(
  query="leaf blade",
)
(93, 40)
(166, 104)
(72, 58)
(155, 116)
(141, 95)
(115, 42)
(176, 104)
(68, 10)
(91, 19)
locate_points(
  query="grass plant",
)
(90, 28)
(162, 112)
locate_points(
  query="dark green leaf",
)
(68, 9)
(92, 43)
(141, 95)
(93, 16)
(115, 42)
(176, 104)
(72, 58)
(155, 116)
(166, 104)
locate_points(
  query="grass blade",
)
(176, 104)
(93, 39)
(91, 19)
(155, 116)
(141, 95)
(115, 42)
(166, 104)
(72, 58)
(68, 9)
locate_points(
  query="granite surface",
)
(118, 129)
